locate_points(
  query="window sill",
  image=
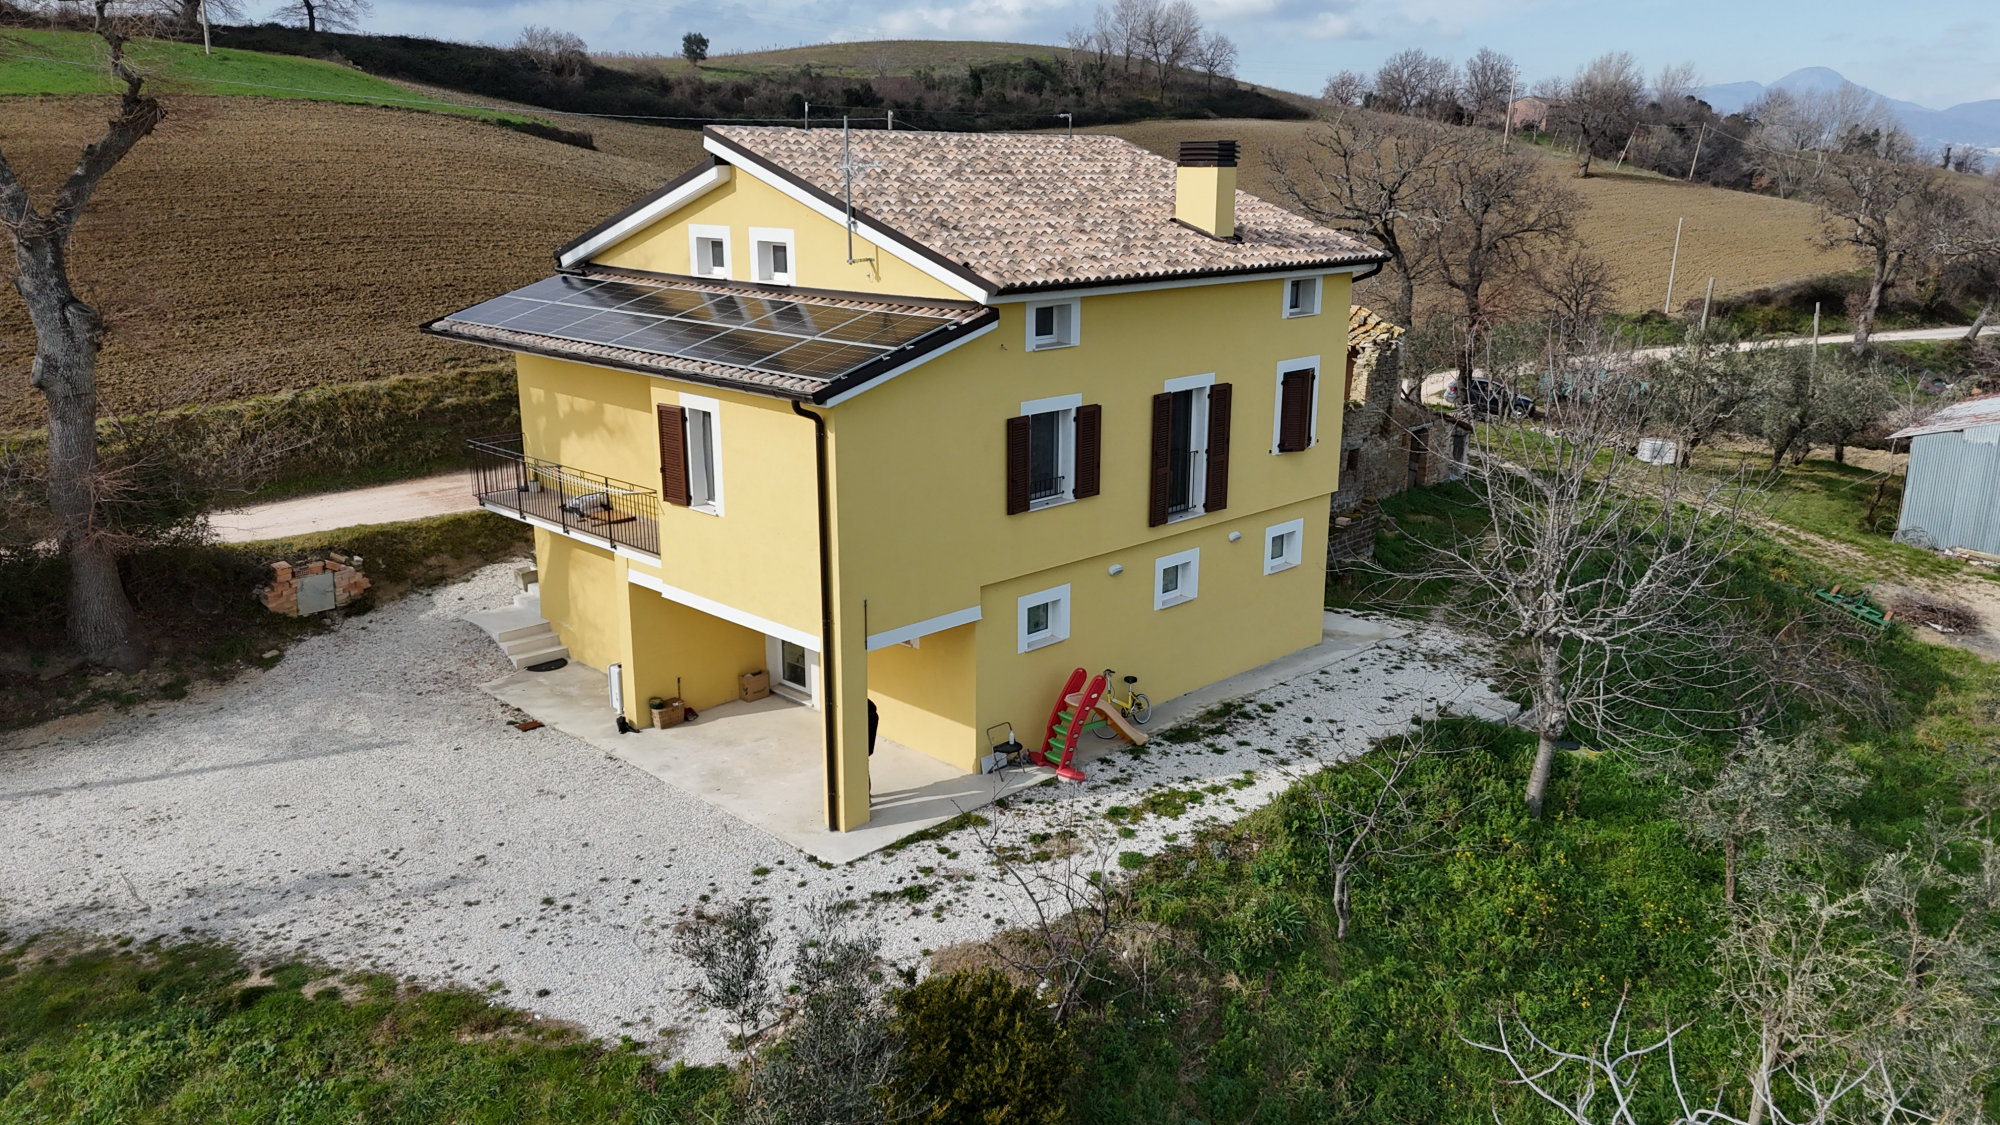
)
(1050, 345)
(1190, 514)
(1033, 643)
(1051, 502)
(1169, 603)
(1299, 315)
(1274, 568)
(707, 509)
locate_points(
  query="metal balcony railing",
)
(505, 479)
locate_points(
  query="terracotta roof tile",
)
(1040, 211)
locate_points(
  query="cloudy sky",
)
(1934, 52)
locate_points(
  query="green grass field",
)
(73, 62)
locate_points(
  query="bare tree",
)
(1890, 211)
(1415, 83)
(1215, 56)
(68, 334)
(1576, 292)
(1601, 106)
(1378, 178)
(1490, 79)
(1388, 824)
(1083, 917)
(1347, 88)
(325, 15)
(560, 53)
(1796, 132)
(1499, 214)
(1602, 576)
(1675, 86)
(1777, 795)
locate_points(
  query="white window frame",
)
(712, 408)
(1068, 335)
(1065, 408)
(1190, 583)
(1197, 443)
(1318, 296)
(1058, 598)
(774, 663)
(761, 240)
(1294, 533)
(1278, 399)
(702, 232)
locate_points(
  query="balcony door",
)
(794, 670)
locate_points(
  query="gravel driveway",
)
(363, 803)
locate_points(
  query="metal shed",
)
(1951, 493)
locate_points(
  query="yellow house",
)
(928, 420)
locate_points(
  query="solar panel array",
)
(765, 334)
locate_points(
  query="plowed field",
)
(254, 245)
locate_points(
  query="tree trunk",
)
(1840, 453)
(1985, 314)
(1554, 719)
(101, 623)
(1538, 777)
(1729, 870)
(1341, 908)
(1881, 485)
(1864, 321)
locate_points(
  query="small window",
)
(1044, 618)
(792, 666)
(1052, 325)
(1176, 578)
(704, 460)
(774, 255)
(1302, 296)
(1282, 545)
(708, 251)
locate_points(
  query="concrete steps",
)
(521, 631)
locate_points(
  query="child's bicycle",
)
(1133, 704)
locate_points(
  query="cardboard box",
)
(752, 686)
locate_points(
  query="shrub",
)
(980, 1051)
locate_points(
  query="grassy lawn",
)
(187, 1033)
(1263, 1016)
(1830, 500)
(72, 62)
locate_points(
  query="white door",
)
(794, 670)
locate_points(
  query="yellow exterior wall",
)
(674, 644)
(819, 249)
(583, 596)
(1240, 619)
(761, 555)
(927, 696)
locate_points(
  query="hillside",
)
(1744, 241)
(850, 60)
(257, 244)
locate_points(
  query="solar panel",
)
(782, 337)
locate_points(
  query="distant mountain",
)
(1970, 123)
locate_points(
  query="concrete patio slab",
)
(761, 763)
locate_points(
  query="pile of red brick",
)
(281, 594)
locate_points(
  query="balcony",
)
(617, 513)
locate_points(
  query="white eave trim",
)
(646, 216)
(923, 628)
(1041, 295)
(807, 641)
(895, 244)
(964, 338)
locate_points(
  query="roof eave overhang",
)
(689, 186)
(1359, 266)
(868, 376)
(956, 275)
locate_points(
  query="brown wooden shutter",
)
(1089, 449)
(1020, 491)
(1162, 475)
(1295, 397)
(1217, 497)
(673, 455)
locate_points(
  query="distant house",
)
(1951, 493)
(1389, 443)
(1532, 112)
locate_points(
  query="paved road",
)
(1436, 382)
(385, 503)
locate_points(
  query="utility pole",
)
(1706, 298)
(1507, 130)
(1623, 151)
(1697, 150)
(1673, 267)
(206, 49)
(1812, 367)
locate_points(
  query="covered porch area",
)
(762, 763)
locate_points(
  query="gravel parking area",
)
(363, 803)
